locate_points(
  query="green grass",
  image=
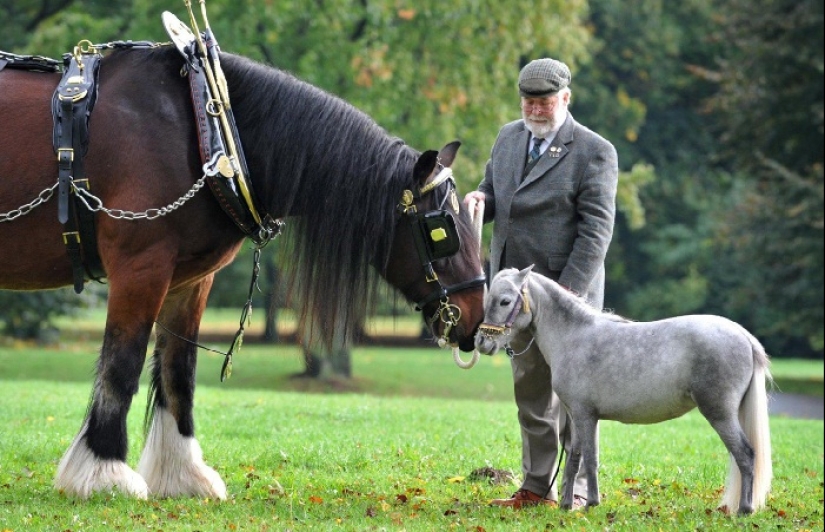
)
(297, 461)
(392, 449)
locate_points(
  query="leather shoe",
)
(523, 498)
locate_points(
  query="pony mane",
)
(338, 175)
(572, 302)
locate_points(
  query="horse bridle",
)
(492, 330)
(436, 237)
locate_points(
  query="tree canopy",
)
(715, 107)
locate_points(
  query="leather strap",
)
(72, 104)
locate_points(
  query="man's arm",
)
(596, 207)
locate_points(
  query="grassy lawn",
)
(395, 448)
(298, 461)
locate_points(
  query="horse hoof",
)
(81, 473)
(173, 465)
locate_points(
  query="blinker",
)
(441, 235)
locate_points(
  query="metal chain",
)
(148, 214)
(86, 197)
(43, 197)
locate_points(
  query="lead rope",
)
(237, 340)
(476, 209)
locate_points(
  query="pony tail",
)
(755, 425)
(753, 416)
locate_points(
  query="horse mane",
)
(334, 172)
(329, 168)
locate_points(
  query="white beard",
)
(542, 125)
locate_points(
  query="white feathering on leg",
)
(173, 465)
(80, 473)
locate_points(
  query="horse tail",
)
(753, 416)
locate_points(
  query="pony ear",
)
(425, 165)
(447, 154)
(522, 275)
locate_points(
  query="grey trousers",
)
(542, 419)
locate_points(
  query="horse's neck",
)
(556, 314)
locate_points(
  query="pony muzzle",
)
(491, 331)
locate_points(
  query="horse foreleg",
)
(96, 459)
(172, 461)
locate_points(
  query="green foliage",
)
(778, 147)
(30, 315)
(628, 199)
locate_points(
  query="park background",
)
(716, 109)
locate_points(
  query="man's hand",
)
(474, 197)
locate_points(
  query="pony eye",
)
(504, 302)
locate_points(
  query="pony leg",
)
(172, 461)
(96, 459)
(589, 438)
(750, 470)
(584, 453)
(739, 484)
(571, 465)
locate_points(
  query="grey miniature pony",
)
(606, 367)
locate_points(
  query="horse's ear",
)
(425, 165)
(447, 154)
(522, 275)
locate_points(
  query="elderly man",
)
(550, 189)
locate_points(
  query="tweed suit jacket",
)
(560, 216)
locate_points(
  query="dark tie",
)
(535, 153)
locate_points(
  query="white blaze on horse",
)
(606, 367)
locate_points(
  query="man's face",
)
(543, 115)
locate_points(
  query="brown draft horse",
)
(311, 156)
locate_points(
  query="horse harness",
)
(73, 100)
(224, 163)
(436, 237)
(72, 104)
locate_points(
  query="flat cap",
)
(541, 77)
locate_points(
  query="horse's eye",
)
(504, 302)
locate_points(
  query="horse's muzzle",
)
(485, 343)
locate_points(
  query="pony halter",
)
(436, 237)
(491, 330)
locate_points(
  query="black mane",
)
(332, 170)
